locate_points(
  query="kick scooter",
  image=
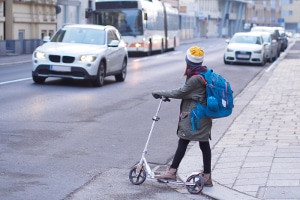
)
(142, 170)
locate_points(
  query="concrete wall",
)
(19, 47)
(2, 47)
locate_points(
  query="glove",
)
(156, 96)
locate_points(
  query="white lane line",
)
(177, 52)
(139, 59)
(14, 81)
(12, 63)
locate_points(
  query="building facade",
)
(23, 23)
(264, 13)
(291, 15)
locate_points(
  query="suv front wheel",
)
(38, 80)
(122, 75)
(99, 81)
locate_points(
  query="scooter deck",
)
(174, 182)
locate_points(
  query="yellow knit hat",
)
(194, 56)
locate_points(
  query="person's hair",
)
(185, 71)
(191, 71)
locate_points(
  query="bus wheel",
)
(162, 46)
(150, 49)
(174, 44)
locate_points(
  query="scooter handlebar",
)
(165, 99)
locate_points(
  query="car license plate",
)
(242, 55)
(60, 68)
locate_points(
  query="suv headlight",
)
(39, 55)
(87, 58)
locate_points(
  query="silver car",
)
(271, 47)
(275, 34)
(83, 52)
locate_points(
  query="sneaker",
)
(207, 179)
(169, 174)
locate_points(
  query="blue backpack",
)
(219, 99)
(219, 95)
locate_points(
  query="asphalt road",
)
(67, 140)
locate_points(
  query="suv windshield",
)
(245, 39)
(80, 35)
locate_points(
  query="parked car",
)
(275, 35)
(284, 38)
(245, 47)
(81, 51)
(271, 46)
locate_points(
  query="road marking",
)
(11, 63)
(14, 81)
(139, 59)
(177, 52)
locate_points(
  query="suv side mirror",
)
(114, 43)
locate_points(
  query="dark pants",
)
(181, 149)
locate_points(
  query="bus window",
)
(145, 26)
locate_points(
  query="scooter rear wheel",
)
(198, 184)
(136, 176)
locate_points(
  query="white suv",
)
(84, 52)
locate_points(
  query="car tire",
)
(38, 80)
(271, 59)
(274, 58)
(121, 76)
(99, 81)
(263, 62)
(226, 62)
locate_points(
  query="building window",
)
(50, 33)
(287, 2)
(287, 13)
(43, 34)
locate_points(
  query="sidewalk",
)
(258, 156)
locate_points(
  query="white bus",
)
(145, 25)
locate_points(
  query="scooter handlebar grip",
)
(165, 99)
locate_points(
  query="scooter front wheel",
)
(197, 185)
(137, 175)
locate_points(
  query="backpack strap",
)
(207, 76)
(203, 79)
(201, 76)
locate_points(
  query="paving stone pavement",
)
(258, 157)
